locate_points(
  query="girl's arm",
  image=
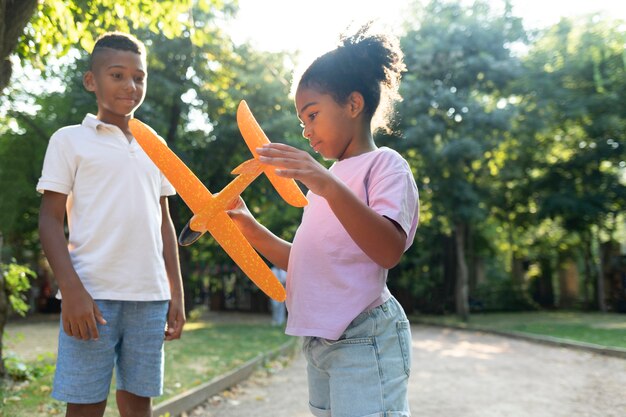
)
(379, 237)
(79, 312)
(176, 313)
(273, 248)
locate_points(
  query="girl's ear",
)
(356, 103)
(88, 81)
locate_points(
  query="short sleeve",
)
(167, 189)
(392, 193)
(58, 167)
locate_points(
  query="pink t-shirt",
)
(330, 280)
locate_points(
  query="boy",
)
(119, 277)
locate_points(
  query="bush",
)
(501, 295)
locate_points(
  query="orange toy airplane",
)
(210, 210)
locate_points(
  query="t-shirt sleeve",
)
(167, 189)
(392, 193)
(59, 167)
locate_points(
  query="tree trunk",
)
(517, 270)
(461, 290)
(545, 289)
(568, 283)
(4, 310)
(600, 290)
(14, 16)
(4, 314)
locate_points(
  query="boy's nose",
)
(131, 85)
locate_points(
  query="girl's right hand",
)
(241, 215)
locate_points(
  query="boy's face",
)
(118, 78)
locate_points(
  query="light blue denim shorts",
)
(131, 343)
(366, 372)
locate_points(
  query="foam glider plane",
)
(210, 210)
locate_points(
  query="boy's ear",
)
(88, 81)
(356, 103)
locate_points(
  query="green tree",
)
(576, 78)
(454, 113)
(195, 83)
(37, 30)
(14, 282)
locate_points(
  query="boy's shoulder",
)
(72, 131)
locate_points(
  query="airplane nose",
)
(188, 236)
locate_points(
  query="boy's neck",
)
(121, 122)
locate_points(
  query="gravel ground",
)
(455, 374)
(460, 374)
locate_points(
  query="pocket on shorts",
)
(404, 338)
(348, 341)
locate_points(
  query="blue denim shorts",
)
(131, 343)
(366, 372)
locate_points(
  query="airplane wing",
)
(187, 185)
(228, 235)
(197, 197)
(255, 138)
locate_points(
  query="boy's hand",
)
(79, 314)
(175, 320)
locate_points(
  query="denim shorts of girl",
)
(366, 372)
(131, 342)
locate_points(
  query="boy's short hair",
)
(119, 41)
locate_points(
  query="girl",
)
(362, 215)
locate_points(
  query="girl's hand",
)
(297, 164)
(240, 214)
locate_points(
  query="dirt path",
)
(461, 374)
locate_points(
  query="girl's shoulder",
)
(388, 157)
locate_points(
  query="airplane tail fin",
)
(255, 138)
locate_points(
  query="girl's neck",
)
(363, 144)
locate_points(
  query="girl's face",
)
(330, 127)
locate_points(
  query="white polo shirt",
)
(113, 210)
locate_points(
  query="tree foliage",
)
(455, 113)
(38, 30)
(515, 138)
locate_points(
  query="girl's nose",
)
(306, 133)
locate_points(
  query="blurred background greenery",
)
(515, 136)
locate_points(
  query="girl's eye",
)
(138, 79)
(312, 116)
(116, 75)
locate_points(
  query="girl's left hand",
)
(297, 164)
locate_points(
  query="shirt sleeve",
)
(392, 193)
(59, 167)
(167, 189)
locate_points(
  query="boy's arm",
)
(78, 310)
(176, 314)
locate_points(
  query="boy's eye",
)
(138, 79)
(116, 75)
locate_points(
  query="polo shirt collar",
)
(92, 122)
